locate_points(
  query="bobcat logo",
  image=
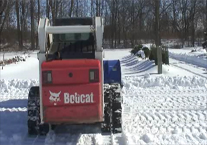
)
(54, 97)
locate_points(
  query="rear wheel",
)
(33, 110)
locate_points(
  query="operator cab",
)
(72, 45)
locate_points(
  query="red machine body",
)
(72, 91)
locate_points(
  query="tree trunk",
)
(133, 23)
(38, 4)
(115, 23)
(18, 24)
(32, 24)
(56, 5)
(91, 8)
(193, 10)
(22, 20)
(77, 7)
(71, 8)
(3, 6)
(193, 34)
(119, 29)
(97, 7)
(52, 4)
(36, 33)
(206, 16)
(47, 9)
(112, 23)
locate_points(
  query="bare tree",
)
(18, 25)
(157, 23)
(47, 9)
(54, 6)
(32, 24)
(192, 20)
(38, 4)
(97, 7)
(3, 15)
(71, 8)
(206, 16)
(22, 19)
(5, 9)
(126, 22)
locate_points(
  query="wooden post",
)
(157, 25)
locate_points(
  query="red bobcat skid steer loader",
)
(77, 88)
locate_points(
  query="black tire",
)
(113, 110)
(33, 111)
(117, 116)
(106, 125)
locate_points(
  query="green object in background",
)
(165, 55)
(152, 53)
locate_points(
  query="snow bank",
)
(24, 70)
(14, 59)
(146, 81)
(195, 59)
(15, 89)
(140, 52)
(10, 85)
(164, 81)
(148, 45)
(23, 54)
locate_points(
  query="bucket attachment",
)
(112, 72)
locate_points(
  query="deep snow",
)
(198, 58)
(159, 109)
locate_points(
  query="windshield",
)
(73, 37)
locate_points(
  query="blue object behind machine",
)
(112, 71)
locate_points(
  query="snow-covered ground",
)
(198, 58)
(165, 110)
(21, 70)
(157, 109)
(9, 55)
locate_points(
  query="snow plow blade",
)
(112, 72)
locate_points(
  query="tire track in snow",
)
(13, 113)
(13, 109)
(193, 72)
(183, 99)
(13, 125)
(170, 112)
(79, 139)
(197, 61)
(167, 124)
(36, 140)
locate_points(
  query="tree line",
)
(127, 22)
